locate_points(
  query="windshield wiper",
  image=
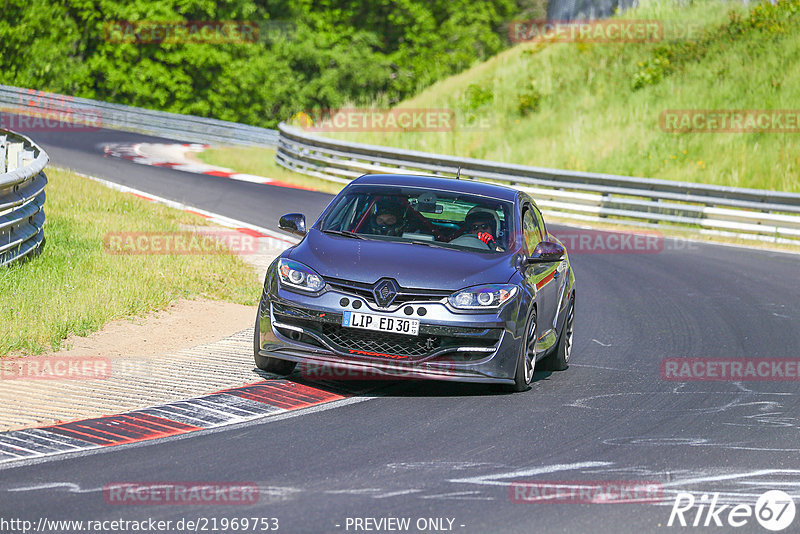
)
(425, 243)
(343, 233)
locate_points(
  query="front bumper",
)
(461, 347)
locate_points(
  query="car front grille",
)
(380, 343)
(327, 326)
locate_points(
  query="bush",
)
(528, 101)
(475, 97)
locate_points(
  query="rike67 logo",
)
(774, 510)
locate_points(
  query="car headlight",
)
(486, 297)
(298, 276)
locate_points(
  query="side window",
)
(540, 223)
(530, 231)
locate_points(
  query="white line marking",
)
(69, 486)
(460, 495)
(719, 478)
(396, 493)
(215, 217)
(494, 480)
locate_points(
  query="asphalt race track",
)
(445, 455)
(83, 152)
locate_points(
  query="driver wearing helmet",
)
(387, 219)
(482, 223)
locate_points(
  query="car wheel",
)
(559, 360)
(526, 360)
(265, 363)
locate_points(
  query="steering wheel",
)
(471, 241)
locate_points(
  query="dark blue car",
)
(420, 277)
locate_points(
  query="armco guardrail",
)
(746, 213)
(22, 182)
(92, 114)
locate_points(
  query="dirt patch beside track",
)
(192, 348)
(184, 324)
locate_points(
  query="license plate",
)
(380, 323)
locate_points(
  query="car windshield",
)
(429, 217)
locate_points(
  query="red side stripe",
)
(545, 281)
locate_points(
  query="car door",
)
(540, 277)
(561, 274)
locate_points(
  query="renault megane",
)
(421, 276)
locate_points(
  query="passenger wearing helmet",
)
(387, 219)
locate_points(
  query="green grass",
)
(74, 286)
(596, 107)
(261, 162)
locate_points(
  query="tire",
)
(559, 360)
(526, 359)
(265, 363)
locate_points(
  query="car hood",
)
(411, 265)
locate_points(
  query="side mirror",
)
(547, 252)
(294, 223)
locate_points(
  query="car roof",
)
(470, 187)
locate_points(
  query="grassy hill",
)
(596, 106)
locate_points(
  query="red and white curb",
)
(223, 408)
(174, 156)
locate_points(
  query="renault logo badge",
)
(385, 291)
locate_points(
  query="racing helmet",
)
(387, 206)
(479, 213)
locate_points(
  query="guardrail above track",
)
(731, 211)
(22, 196)
(87, 115)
